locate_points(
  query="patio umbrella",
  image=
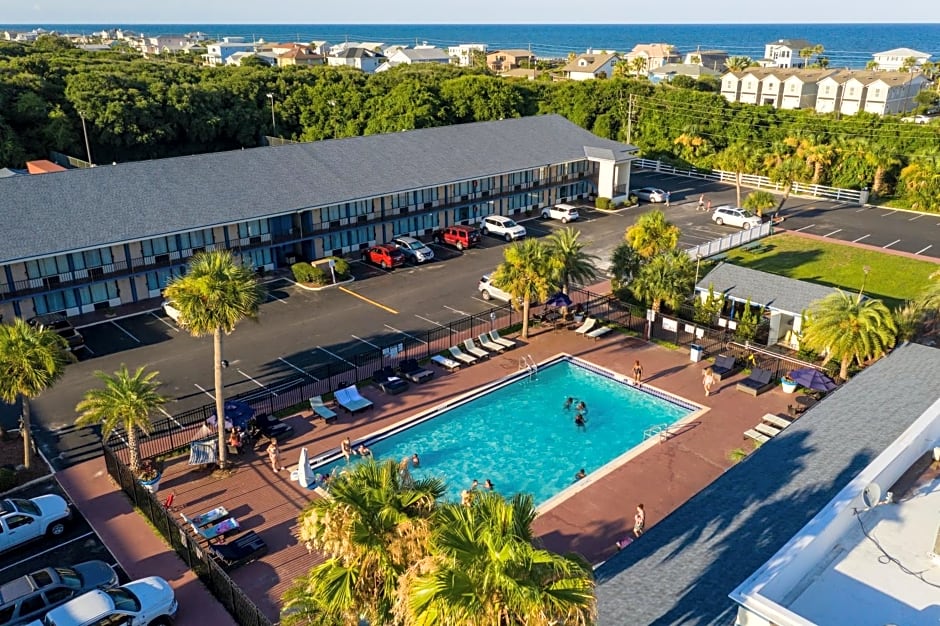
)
(236, 414)
(558, 300)
(303, 474)
(812, 379)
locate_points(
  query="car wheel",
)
(383, 265)
(160, 621)
(544, 216)
(508, 237)
(485, 231)
(746, 226)
(485, 294)
(459, 246)
(564, 220)
(719, 221)
(56, 529)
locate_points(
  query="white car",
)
(146, 602)
(733, 216)
(502, 226)
(172, 312)
(488, 290)
(564, 212)
(414, 250)
(24, 520)
(650, 194)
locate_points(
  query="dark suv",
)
(60, 324)
(32, 596)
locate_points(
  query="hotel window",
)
(158, 245)
(91, 258)
(359, 207)
(414, 224)
(157, 280)
(99, 292)
(352, 237)
(196, 239)
(254, 228)
(258, 257)
(51, 266)
(55, 302)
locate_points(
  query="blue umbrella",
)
(236, 414)
(558, 300)
(812, 379)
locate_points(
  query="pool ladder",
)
(528, 364)
(659, 429)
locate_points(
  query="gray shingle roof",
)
(778, 292)
(682, 570)
(54, 213)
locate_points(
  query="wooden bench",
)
(766, 429)
(756, 436)
(776, 420)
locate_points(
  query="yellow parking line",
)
(365, 299)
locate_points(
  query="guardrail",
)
(851, 196)
(711, 248)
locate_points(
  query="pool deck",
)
(662, 477)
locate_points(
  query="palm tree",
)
(739, 157)
(31, 360)
(667, 278)
(126, 401)
(624, 264)
(738, 64)
(638, 65)
(871, 65)
(806, 54)
(652, 235)
(848, 328)
(374, 525)
(484, 570)
(213, 297)
(574, 264)
(527, 274)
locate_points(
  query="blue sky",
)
(425, 11)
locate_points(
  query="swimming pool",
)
(519, 436)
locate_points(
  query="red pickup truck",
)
(460, 237)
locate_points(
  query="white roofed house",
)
(464, 52)
(588, 66)
(360, 58)
(801, 89)
(752, 83)
(891, 93)
(771, 88)
(829, 91)
(893, 60)
(712, 59)
(411, 56)
(786, 52)
(731, 85)
(655, 54)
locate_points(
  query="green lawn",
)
(891, 278)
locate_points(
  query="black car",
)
(32, 596)
(61, 325)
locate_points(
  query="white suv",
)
(564, 212)
(733, 216)
(24, 520)
(489, 291)
(502, 226)
(145, 602)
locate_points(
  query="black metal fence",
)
(242, 609)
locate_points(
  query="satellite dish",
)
(872, 495)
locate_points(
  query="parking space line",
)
(888, 213)
(336, 356)
(799, 230)
(172, 419)
(281, 300)
(862, 209)
(256, 382)
(368, 343)
(204, 391)
(90, 351)
(838, 230)
(370, 301)
(862, 237)
(891, 244)
(457, 311)
(48, 550)
(125, 331)
(486, 302)
(405, 334)
(916, 217)
(922, 250)
(433, 322)
(302, 371)
(172, 327)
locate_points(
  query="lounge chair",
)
(460, 356)
(725, 366)
(350, 399)
(443, 361)
(586, 327)
(322, 411)
(489, 344)
(389, 382)
(410, 369)
(222, 529)
(598, 332)
(239, 551)
(471, 347)
(767, 429)
(206, 519)
(509, 343)
(776, 420)
(757, 383)
(756, 436)
(273, 428)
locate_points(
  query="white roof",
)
(903, 53)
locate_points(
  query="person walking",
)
(639, 521)
(708, 380)
(667, 199)
(274, 455)
(708, 206)
(637, 372)
(701, 203)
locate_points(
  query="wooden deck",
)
(662, 477)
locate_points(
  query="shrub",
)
(759, 201)
(602, 203)
(340, 266)
(318, 275)
(303, 272)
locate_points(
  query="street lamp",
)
(861, 290)
(87, 145)
(273, 122)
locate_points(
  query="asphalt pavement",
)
(300, 330)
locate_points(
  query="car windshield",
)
(124, 600)
(747, 214)
(70, 578)
(412, 245)
(508, 223)
(24, 506)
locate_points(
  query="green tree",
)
(484, 570)
(706, 311)
(652, 235)
(740, 158)
(747, 323)
(638, 65)
(784, 168)
(214, 295)
(574, 265)
(759, 201)
(127, 401)
(31, 360)
(848, 327)
(374, 525)
(527, 274)
(738, 63)
(871, 65)
(624, 264)
(667, 278)
(919, 185)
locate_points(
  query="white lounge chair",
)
(460, 356)
(756, 436)
(443, 361)
(776, 420)
(598, 332)
(509, 343)
(350, 399)
(471, 347)
(320, 409)
(587, 326)
(767, 429)
(489, 344)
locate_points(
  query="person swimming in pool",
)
(568, 403)
(582, 407)
(580, 422)
(581, 474)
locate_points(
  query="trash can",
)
(695, 353)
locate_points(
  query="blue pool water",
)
(520, 437)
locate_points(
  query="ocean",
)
(846, 45)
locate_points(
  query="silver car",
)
(650, 194)
(414, 250)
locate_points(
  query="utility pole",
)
(630, 118)
(87, 145)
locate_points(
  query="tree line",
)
(137, 108)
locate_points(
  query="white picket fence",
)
(717, 246)
(850, 196)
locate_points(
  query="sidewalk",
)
(136, 545)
